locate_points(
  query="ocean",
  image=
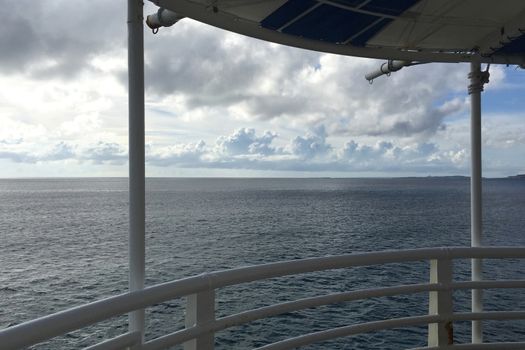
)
(64, 243)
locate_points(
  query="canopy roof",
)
(416, 30)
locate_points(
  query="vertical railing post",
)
(477, 79)
(200, 310)
(136, 157)
(441, 303)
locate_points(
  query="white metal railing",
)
(202, 324)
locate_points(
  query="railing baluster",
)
(200, 309)
(202, 324)
(441, 303)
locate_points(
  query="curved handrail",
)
(240, 318)
(482, 346)
(351, 330)
(62, 322)
(338, 332)
(500, 284)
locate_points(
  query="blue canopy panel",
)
(337, 21)
(516, 46)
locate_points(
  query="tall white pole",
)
(477, 79)
(136, 157)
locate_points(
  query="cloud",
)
(99, 153)
(387, 155)
(48, 39)
(238, 78)
(245, 141)
(18, 157)
(63, 99)
(504, 132)
(256, 81)
(244, 148)
(215, 68)
(105, 152)
(313, 145)
(59, 151)
(311, 152)
(186, 155)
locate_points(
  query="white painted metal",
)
(477, 79)
(121, 342)
(441, 303)
(387, 324)
(306, 303)
(485, 346)
(38, 330)
(386, 68)
(200, 310)
(351, 330)
(163, 18)
(179, 337)
(136, 157)
(182, 336)
(488, 284)
(489, 315)
(278, 309)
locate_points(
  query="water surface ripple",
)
(64, 243)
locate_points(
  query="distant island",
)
(519, 176)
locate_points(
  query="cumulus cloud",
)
(183, 155)
(387, 155)
(310, 152)
(313, 145)
(61, 151)
(244, 141)
(105, 152)
(245, 148)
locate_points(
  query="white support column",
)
(441, 303)
(200, 309)
(477, 79)
(136, 157)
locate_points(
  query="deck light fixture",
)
(387, 68)
(163, 18)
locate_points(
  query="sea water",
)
(64, 243)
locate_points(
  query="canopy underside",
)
(423, 30)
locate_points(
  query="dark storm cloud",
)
(47, 39)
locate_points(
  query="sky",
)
(220, 104)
